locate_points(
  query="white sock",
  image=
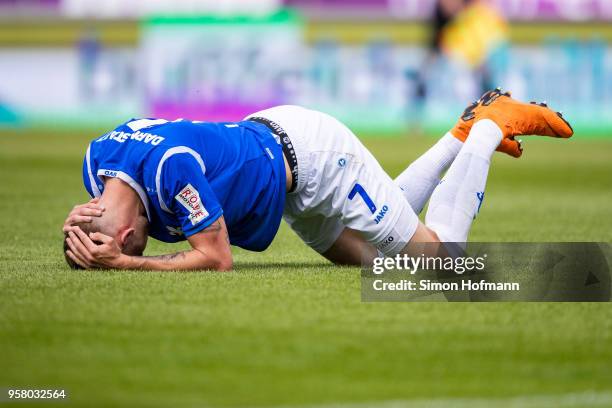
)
(423, 175)
(457, 199)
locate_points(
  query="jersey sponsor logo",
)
(381, 214)
(190, 199)
(110, 173)
(138, 136)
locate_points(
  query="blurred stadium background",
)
(288, 329)
(74, 63)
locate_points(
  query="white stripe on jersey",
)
(145, 123)
(170, 152)
(92, 181)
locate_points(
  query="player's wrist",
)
(123, 262)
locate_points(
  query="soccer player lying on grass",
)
(217, 184)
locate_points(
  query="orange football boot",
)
(462, 128)
(514, 119)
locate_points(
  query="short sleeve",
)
(89, 180)
(86, 179)
(185, 192)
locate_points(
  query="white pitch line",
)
(574, 400)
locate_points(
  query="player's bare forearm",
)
(194, 259)
(210, 251)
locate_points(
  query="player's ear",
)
(124, 236)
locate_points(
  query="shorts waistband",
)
(286, 145)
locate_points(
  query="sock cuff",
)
(448, 147)
(451, 143)
(484, 138)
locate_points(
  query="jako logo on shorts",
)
(381, 214)
(386, 242)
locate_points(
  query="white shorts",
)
(340, 184)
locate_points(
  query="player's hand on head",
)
(83, 213)
(95, 250)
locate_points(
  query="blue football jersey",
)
(189, 173)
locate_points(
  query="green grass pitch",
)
(287, 329)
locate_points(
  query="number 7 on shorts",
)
(358, 189)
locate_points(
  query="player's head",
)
(131, 238)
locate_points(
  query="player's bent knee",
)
(424, 234)
(446, 234)
(427, 241)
